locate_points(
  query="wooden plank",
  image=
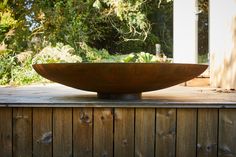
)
(42, 132)
(165, 132)
(62, 132)
(82, 132)
(60, 96)
(227, 133)
(6, 132)
(22, 132)
(124, 132)
(207, 132)
(144, 132)
(103, 132)
(186, 132)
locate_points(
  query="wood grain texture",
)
(6, 132)
(62, 132)
(207, 132)
(165, 132)
(227, 133)
(42, 132)
(82, 132)
(186, 132)
(124, 132)
(22, 132)
(103, 132)
(55, 95)
(144, 132)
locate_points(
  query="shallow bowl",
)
(119, 80)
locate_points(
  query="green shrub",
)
(16, 69)
(57, 54)
(7, 63)
(24, 74)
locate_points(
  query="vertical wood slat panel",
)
(144, 132)
(227, 133)
(82, 132)
(165, 132)
(22, 129)
(124, 132)
(22, 132)
(6, 132)
(207, 132)
(62, 132)
(42, 132)
(186, 132)
(103, 132)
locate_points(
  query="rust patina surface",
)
(124, 80)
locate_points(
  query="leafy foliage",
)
(161, 17)
(58, 54)
(23, 74)
(119, 26)
(7, 24)
(203, 44)
(7, 62)
(16, 69)
(16, 72)
(64, 54)
(36, 31)
(72, 22)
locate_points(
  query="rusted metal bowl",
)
(119, 80)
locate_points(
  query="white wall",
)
(185, 31)
(223, 43)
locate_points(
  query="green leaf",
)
(97, 4)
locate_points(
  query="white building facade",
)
(222, 38)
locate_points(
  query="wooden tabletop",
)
(55, 95)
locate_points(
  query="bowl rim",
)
(120, 63)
